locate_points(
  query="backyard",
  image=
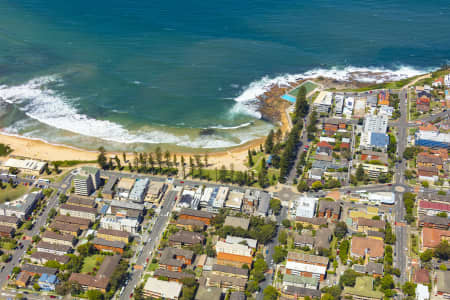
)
(92, 262)
(9, 193)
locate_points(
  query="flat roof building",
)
(162, 289)
(139, 190)
(26, 165)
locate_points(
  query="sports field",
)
(309, 85)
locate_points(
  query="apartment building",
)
(89, 213)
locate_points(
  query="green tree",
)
(302, 186)
(286, 223)
(279, 254)
(409, 289)
(94, 295)
(275, 206)
(340, 230)
(250, 158)
(343, 251)
(158, 154)
(282, 237)
(268, 145)
(426, 256)
(360, 173)
(317, 185)
(101, 158)
(301, 104)
(349, 277)
(270, 293)
(443, 250)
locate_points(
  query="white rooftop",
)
(306, 207)
(166, 289)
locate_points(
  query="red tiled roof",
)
(423, 100)
(428, 127)
(431, 237)
(434, 205)
(422, 276)
(324, 144)
(345, 145)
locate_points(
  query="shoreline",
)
(43, 150)
(272, 107)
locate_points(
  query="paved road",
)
(40, 222)
(157, 230)
(401, 231)
(270, 247)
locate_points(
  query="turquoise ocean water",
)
(133, 74)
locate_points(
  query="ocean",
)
(133, 74)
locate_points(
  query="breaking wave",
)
(247, 102)
(41, 103)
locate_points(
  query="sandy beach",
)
(41, 150)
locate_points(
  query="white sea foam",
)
(247, 102)
(231, 127)
(45, 105)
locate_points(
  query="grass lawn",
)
(9, 193)
(152, 267)
(89, 263)
(308, 85)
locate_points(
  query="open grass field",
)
(89, 263)
(8, 193)
(308, 85)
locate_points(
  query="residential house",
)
(155, 191)
(368, 155)
(101, 280)
(23, 279)
(172, 275)
(89, 213)
(431, 237)
(157, 289)
(118, 223)
(423, 104)
(38, 270)
(113, 235)
(301, 264)
(442, 287)
(434, 222)
(186, 238)
(263, 205)
(80, 201)
(198, 215)
(6, 231)
(365, 225)
(174, 259)
(421, 276)
(190, 224)
(10, 221)
(109, 246)
(108, 191)
(324, 148)
(293, 292)
(65, 228)
(371, 268)
(367, 247)
(374, 171)
(425, 159)
(52, 237)
(126, 209)
(227, 277)
(139, 190)
(329, 209)
(56, 249)
(314, 222)
(21, 207)
(43, 257)
(235, 255)
(48, 282)
(428, 174)
(82, 223)
(432, 208)
(300, 281)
